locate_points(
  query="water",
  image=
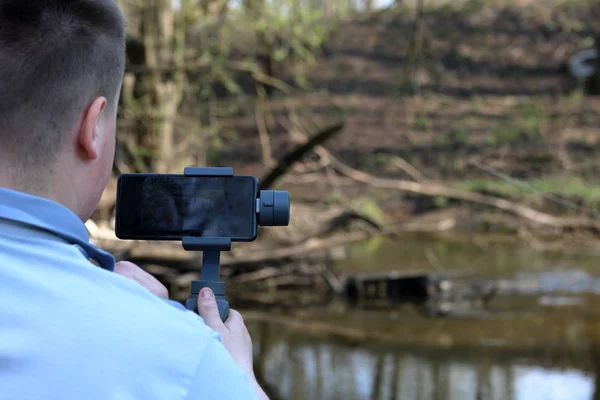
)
(539, 344)
(311, 369)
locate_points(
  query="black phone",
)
(170, 207)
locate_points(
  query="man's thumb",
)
(208, 309)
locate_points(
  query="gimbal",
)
(272, 209)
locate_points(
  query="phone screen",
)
(169, 207)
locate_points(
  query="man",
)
(72, 324)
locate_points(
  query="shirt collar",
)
(52, 217)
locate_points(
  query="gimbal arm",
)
(209, 277)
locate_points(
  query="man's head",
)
(61, 68)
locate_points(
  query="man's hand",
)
(234, 335)
(135, 273)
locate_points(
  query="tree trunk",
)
(164, 41)
(159, 32)
(264, 56)
(594, 82)
(214, 8)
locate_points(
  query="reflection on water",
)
(484, 256)
(538, 383)
(528, 347)
(302, 368)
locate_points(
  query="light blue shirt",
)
(70, 330)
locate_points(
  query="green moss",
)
(577, 190)
(371, 209)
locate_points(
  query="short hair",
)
(56, 56)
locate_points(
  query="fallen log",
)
(433, 189)
(172, 254)
(290, 280)
(262, 274)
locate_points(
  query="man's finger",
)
(234, 321)
(208, 309)
(135, 273)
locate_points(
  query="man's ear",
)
(88, 137)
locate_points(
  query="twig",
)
(195, 65)
(261, 77)
(409, 169)
(261, 274)
(432, 189)
(261, 125)
(310, 246)
(303, 179)
(334, 282)
(413, 50)
(547, 196)
(290, 280)
(439, 269)
(310, 167)
(174, 256)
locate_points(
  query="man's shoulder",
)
(141, 322)
(110, 305)
(59, 309)
(123, 301)
(67, 323)
(62, 272)
(73, 284)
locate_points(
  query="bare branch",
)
(296, 155)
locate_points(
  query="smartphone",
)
(170, 207)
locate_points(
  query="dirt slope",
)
(487, 84)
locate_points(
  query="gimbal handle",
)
(218, 289)
(209, 277)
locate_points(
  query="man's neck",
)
(56, 191)
(7, 182)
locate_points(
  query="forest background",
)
(378, 118)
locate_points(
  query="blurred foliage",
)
(370, 208)
(371, 246)
(527, 123)
(488, 75)
(204, 60)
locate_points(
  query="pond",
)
(524, 346)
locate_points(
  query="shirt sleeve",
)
(175, 304)
(219, 377)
